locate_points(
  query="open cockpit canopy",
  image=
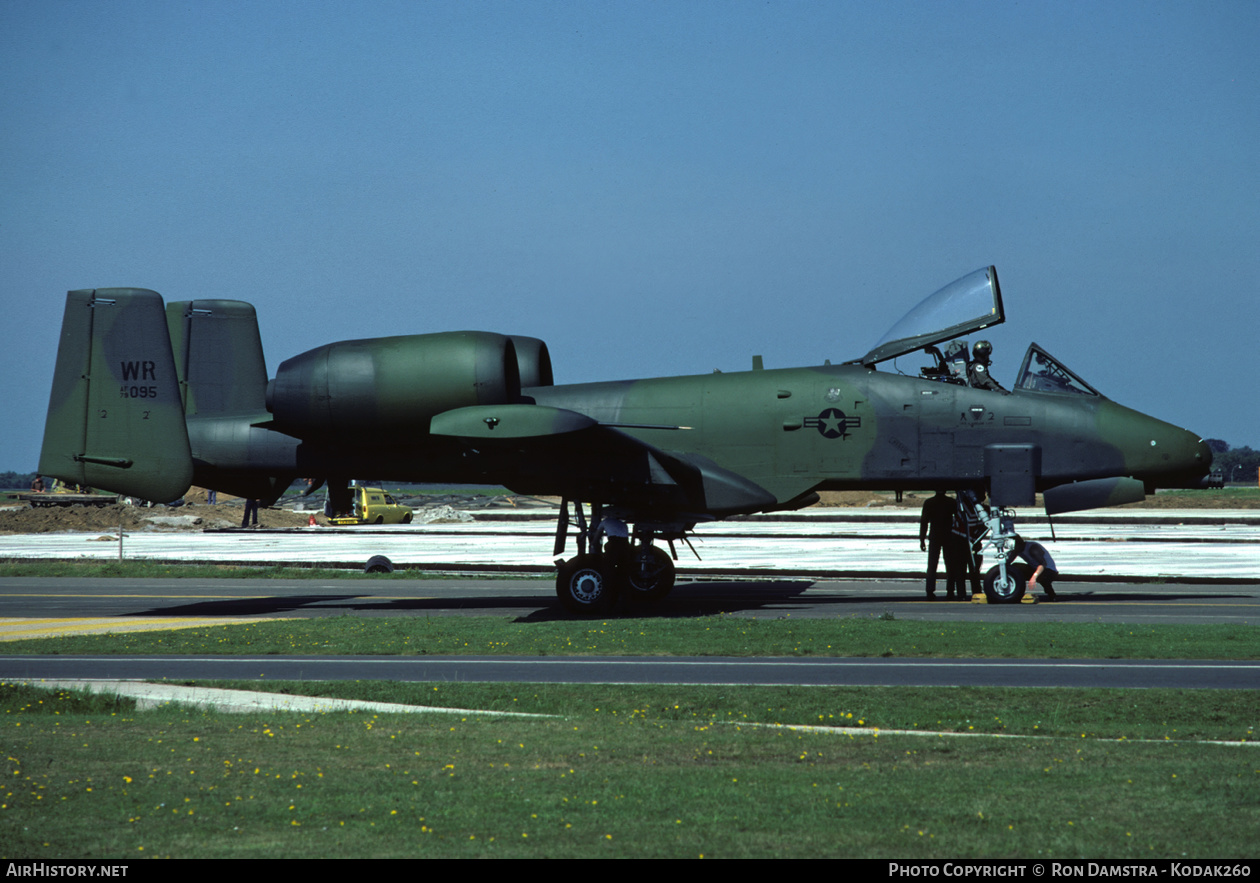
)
(961, 307)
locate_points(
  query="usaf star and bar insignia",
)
(832, 423)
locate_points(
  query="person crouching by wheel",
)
(1044, 572)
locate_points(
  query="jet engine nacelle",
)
(534, 361)
(392, 384)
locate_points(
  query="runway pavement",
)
(1164, 567)
(1144, 566)
(39, 607)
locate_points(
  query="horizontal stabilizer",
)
(1095, 494)
(115, 419)
(503, 422)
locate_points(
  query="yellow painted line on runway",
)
(23, 629)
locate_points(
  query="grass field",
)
(637, 772)
(720, 635)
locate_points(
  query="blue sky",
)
(652, 187)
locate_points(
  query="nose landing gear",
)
(1004, 583)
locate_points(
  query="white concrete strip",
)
(1114, 547)
(876, 731)
(241, 701)
(1115, 555)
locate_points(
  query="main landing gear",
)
(630, 570)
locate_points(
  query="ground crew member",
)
(1038, 558)
(935, 526)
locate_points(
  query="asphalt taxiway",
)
(1157, 568)
(33, 607)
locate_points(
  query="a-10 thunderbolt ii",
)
(149, 399)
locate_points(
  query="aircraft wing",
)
(549, 449)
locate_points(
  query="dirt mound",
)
(871, 499)
(193, 516)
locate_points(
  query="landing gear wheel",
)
(584, 585)
(650, 573)
(1010, 591)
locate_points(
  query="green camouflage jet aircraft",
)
(149, 399)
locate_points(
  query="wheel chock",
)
(1028, 599)
(979, 598)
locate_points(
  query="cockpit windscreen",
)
(1042, 372)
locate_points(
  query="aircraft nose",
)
(1178, 458)
(1158, 453)
(1204, 454)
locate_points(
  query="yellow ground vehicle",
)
(373, 506)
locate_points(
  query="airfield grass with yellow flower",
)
(637, 771)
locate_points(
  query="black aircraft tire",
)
(584, 585)
(1012, 591)
(378, 564)
(650, 574)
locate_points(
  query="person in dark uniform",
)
(251, 510)
(978, 371)
(935, 530)
(956, 557)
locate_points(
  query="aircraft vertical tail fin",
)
(115, 420)
(218, 356)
